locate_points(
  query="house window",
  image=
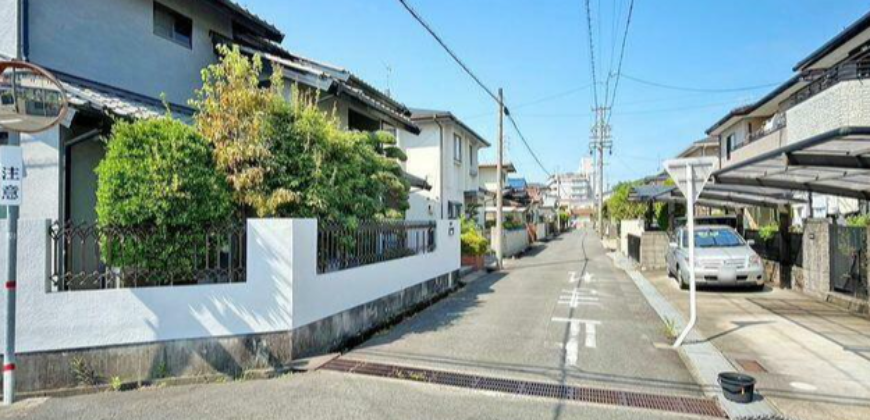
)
(359, 122)
(729, 145)
(457, 148)
(454, 210)
(173, 26)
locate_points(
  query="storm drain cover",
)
(684, 405)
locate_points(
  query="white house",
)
(444, 154)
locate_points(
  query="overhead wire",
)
(480, 83)
(695, 89)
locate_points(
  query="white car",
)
(722, 258)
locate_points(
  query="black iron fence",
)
(848, 253)
(89, 257)
(341, 247)
(772, 248)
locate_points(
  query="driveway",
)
(811, 359)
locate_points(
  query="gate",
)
(849, 260)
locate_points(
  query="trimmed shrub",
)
(473, 242)
(157, 186)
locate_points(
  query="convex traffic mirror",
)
(31, 99)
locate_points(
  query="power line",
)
(540, 100)
(693, 89)
(476, 79)
(621, 56)
(592, 53)
(446, 48)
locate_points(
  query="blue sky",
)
(538, 52)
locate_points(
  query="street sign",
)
(690, 175)
(700, 169)
(11, 173)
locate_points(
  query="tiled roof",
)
(264, 28)
(85, 94)
(341, 79)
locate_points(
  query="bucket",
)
(737, 387)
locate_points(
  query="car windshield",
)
(716, 238)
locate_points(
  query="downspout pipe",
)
(440, 167)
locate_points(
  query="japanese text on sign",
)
(11, 173)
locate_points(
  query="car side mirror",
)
(750, 242)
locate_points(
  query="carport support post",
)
(690, 221)
(785, 247)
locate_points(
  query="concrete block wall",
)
(653, 248)
(514, 242)
(816, 273)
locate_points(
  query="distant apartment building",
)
(574, 190)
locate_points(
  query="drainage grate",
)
(685, 405)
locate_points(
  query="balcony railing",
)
(832, 76)
(778, 122)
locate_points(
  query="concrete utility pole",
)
(600, 141)
(499, 194)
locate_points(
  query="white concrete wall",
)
(282, 292)
(515, 241)
(8, 27)
(541, 230)
(629, 227)
(844, 104)
(41, 188)
(113, 42)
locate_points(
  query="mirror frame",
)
(17, 64)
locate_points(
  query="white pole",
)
(690, 216)
(499, 194)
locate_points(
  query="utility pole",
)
(499, 194)
(599, 142)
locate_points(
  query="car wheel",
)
(683, 284)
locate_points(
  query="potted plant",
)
(474, 244)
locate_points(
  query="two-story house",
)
(132, 59)
(445, 154)
(828, 92)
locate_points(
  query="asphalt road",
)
(528, 322)
(562, 314)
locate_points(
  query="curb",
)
(703, 359)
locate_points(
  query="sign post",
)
(691, 176)
(31, 101)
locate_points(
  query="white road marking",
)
(572, 347)
(573, 277)
(587, 278)
(582, 291)
(590, 336)
(574, 298)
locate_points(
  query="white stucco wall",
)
(113, 42)
(514, 241)
(42, 177)
(842, 105)
(8, 27)
(282, 292)
(423, 151)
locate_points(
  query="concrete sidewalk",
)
(811, 359)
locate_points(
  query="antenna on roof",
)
(389, 71)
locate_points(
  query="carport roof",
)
(834, 163)
(720, 196)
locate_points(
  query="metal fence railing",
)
(91, 257)
(341, 247)
(771, 249)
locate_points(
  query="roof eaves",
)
(844, 36)
(419, 115)
(747, 109)
(252, 20)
